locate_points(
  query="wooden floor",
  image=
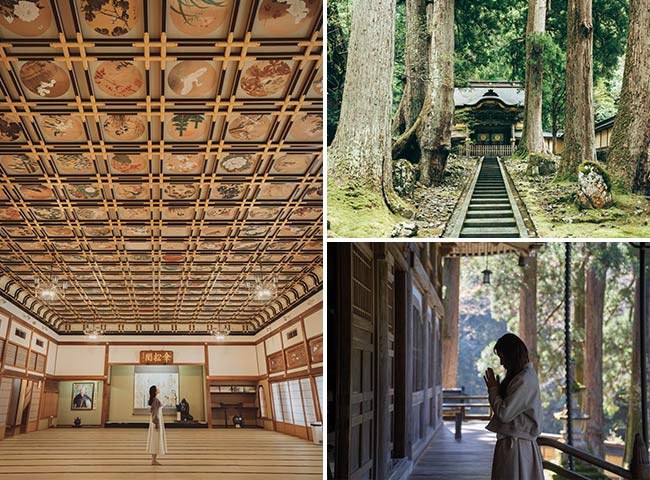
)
(469, 458)
(102, 454)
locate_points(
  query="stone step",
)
(490, 221)
(489, 207)
(488, 201)
(491, 189)
(505, 213)
(502, 196)
(489, 232)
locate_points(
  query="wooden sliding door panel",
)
(362, 371)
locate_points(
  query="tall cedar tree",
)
(579, 135)
(536, 26)
(361, 149)
(629, 153)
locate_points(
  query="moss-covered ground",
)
(353, 212)
(553, 208)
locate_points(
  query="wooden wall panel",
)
(5, 394)
(276, 362)
(296, 356)
(316, 350)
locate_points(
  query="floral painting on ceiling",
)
(44, 78)
(199, 17)
(287, 17)
(111, 18)
(266, 78)
(26, 18)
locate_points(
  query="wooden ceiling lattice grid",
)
(154, 153)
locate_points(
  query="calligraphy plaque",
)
(156, 357)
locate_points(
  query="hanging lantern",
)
(486, 276)
(487, 273)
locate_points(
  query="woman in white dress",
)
(156, 439)
(517, 418)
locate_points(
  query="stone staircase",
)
(490, 212)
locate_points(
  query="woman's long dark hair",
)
(515, 357)
(152, 394)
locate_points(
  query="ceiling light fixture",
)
(220, 332)
(263, 287)
(50, 287)
(93, 330)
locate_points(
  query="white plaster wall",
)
(273, 344)
(80, 360)
(130, 354)
(314, 324)
(36, 348)
(232, 360)
(15, 338)
(288, 342)
(50, 368)
(261, 359)
(4, 323)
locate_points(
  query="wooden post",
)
(451, 282)
(528, 306)
(382, 385)
(640, 465)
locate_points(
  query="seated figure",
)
(184, 408)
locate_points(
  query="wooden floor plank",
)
(113, 454)
(469, 458)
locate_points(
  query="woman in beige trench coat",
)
(517, 418)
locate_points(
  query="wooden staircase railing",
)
(639, 467)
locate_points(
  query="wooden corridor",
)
(469, 458)
(109, 454)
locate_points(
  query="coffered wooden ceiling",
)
(153, 152)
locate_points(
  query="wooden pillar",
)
(339, 315)
(408, 361)
(528, 306)
(593, 369)
(382, 385)
(451, 282)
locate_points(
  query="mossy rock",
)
(540, 164)
(404, 177)
(586, 167)
(594, 186)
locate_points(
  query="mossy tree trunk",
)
(434, 133)
(536, 26)
(595, 283)
(336, 59)
(450, 339)
(629, 153)
(416, 66)
(579, 135)
(361, 150)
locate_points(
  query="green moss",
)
(355, 212)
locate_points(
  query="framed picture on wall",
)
(83, 396)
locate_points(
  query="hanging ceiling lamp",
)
(220, 332)
(50, 287)
(263, 288)
(93, 330)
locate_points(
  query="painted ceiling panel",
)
(155, 154)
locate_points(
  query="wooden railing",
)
(489, 150)
(453, 404)
(639, 466)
